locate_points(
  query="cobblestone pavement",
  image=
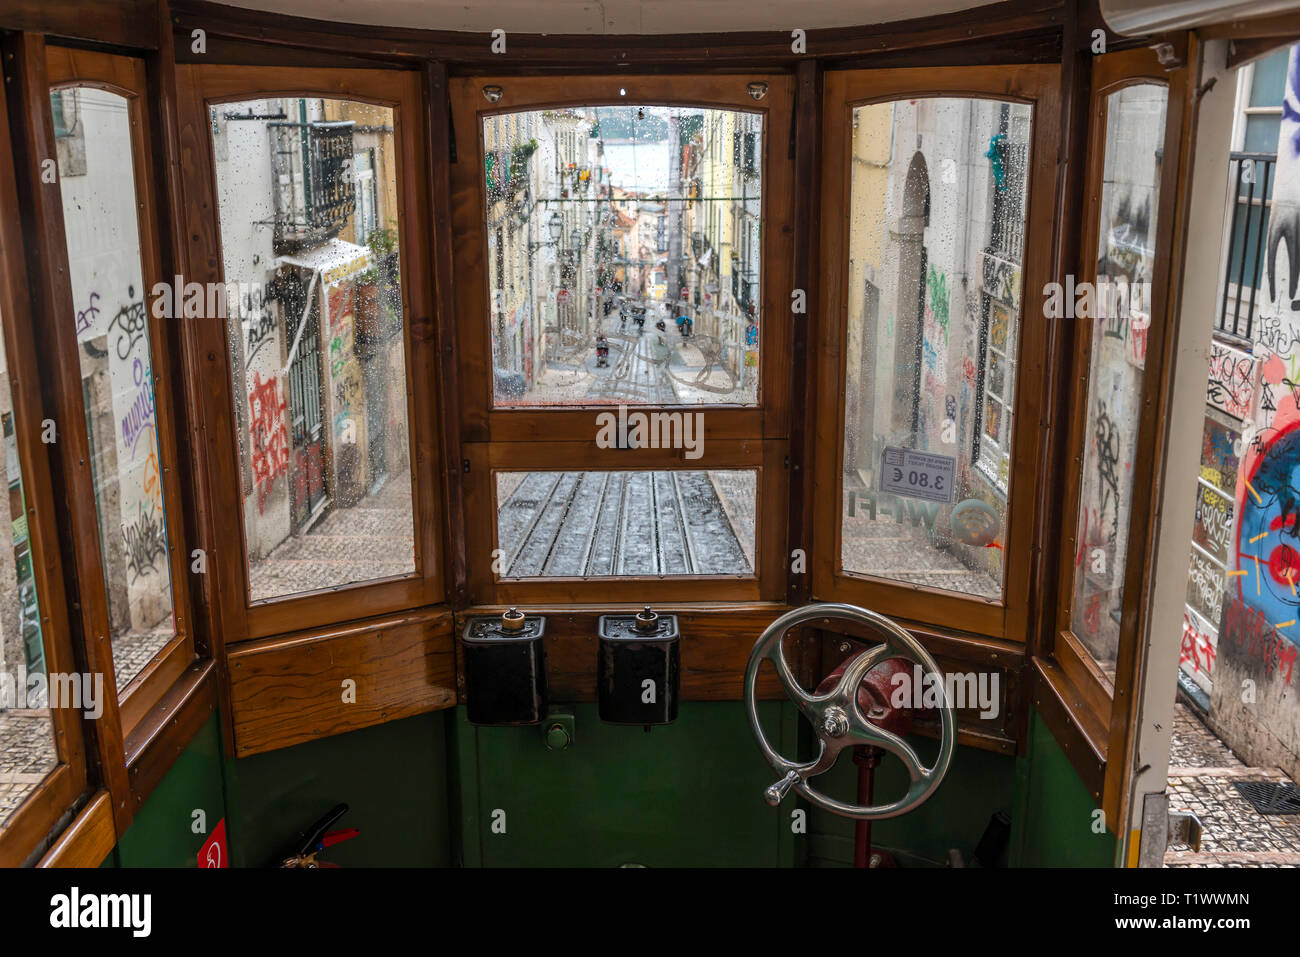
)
(27, 755)
(1201, 774)
(134, 650)
(372, 539)
(898, 547)
(650, 367)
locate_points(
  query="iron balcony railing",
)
(1252, 177)
(315, 192)
(1007, 232)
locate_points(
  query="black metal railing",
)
(1252, 177)
(1007, 230)
(315, 192)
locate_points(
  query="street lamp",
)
(554, 227)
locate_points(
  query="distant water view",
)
(638, 166)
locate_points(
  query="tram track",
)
(617, 524)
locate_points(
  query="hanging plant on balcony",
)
(365, 304)
(518, 169)
(382, 243)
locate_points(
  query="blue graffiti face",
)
(1268, 536)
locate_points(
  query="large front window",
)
(624, 255)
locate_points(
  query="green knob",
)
(557, 738)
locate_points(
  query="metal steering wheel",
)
(836, 718)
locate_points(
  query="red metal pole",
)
(866, 758)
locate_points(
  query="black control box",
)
(638, 676)
(505, 669)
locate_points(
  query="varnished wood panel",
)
(168, 727)
(1081, 735)
(31, 822)
(1012, 18)
(56, 369)
(288, 690)
(715, 645)
(997, 732)
(124, 23)
(88, 840)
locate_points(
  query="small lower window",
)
(625, 524)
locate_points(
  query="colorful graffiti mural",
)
(1262, 619)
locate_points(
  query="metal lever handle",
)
(775, 794)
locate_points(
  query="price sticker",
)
(915, 474)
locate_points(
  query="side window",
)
(1117, 323)
(27, 743)
(313, 286)
(101, 222)
(936, 243)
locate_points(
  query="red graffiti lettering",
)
(1254, 635)
(270, 439)
(1196, 648)
(1092, 616)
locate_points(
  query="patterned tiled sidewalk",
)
(372, 539)
(888, 547)
(131, 652)
(1201, 775)
(27, 754)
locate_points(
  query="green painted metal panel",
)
(162, 834)
(1056, 820)
(978, 784)
(392, 776)
(689, 793)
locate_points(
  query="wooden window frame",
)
(202, 85)
(125, 77)
(535, 439)
(1073, 687)
(1007, 617)
(31, 822)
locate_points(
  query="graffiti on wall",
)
(1231, 386)
(1213, 527)
(1205, 587)
(145, 541)
(138, 420)
(130, 325)
(270, 438)
(1219, 462)
(345, 371)
(1260, 622)
(1198, 652)
(1106, 438)
(1255, 637)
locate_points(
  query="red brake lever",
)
(337, 837)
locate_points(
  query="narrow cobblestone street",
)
(27, 755)
(372, 539)
(1201, 776)
(898, 547)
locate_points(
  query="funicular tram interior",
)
(554, 435)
